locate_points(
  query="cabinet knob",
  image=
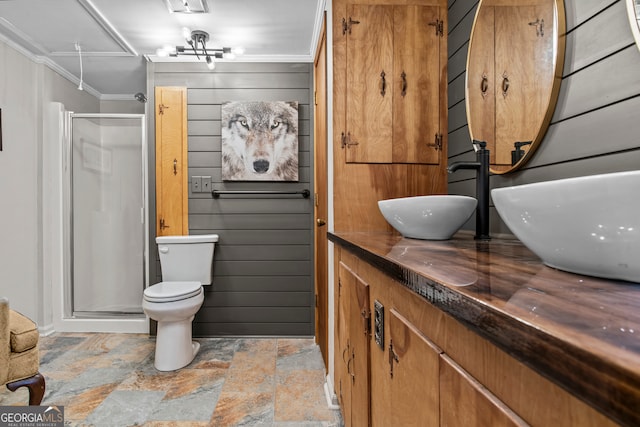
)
(320, 222)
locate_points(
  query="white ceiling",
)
(118, 37)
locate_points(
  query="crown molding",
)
(53, 66)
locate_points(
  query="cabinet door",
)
(466, 403)
(342, 355)
(369, 83)
(414, 369)
(172, 194)
(352, 348)
(416, 81)
(359, 336)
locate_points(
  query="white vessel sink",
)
(588, 225)
(428, 217)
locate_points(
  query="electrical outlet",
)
(206, 184)
(196, 184)
(378, 323)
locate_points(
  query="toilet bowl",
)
(186, 263)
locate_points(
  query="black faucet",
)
(481, 166)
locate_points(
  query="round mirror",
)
(514, 69)
(633, 7)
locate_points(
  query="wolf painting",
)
(260, 141)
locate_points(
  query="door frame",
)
(63, 320)
(321, 156)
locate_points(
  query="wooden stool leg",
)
(36, 386)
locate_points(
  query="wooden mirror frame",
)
(480, 73)
(633, 9)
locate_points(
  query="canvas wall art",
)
(260, 141)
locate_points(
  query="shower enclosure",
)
(106, 217)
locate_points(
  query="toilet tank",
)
(187, 258)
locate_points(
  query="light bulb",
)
(238, 50)
(211, 64)
(186, 33)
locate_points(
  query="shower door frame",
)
(135, 323)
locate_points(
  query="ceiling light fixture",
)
(197, 45)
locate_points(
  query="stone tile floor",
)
(109, 380)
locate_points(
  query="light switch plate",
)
(196, 184)
(206, 184)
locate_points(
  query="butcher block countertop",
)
(580, 332)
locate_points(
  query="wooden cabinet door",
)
(369, 97)
(416, 81)
(359, 336)
(172, 193)
(467, 403)
(414, 369)
(342, 352)
(393, 83)
(352, 348)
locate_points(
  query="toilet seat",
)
(172, 291)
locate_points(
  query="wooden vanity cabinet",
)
(404, 375)
(393, 80)
(431, 370)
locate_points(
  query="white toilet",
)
(186, 263)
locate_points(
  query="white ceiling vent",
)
(187, 6)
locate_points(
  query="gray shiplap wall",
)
(263, 263)
(596, 124)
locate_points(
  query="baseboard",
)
(332, 399)
(133, 326)
(46, 330)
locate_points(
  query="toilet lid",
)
(172, 291)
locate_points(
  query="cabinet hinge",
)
(392, 357)
(162, 224)
(437, 142)
(316, 300)
(346, 25)
(345, 140)
(161, 108)
(439, 26)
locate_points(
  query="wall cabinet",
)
(430, 370)
(172, 193)
(394, 88)
(382, 142)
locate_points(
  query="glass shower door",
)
(107, 215)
